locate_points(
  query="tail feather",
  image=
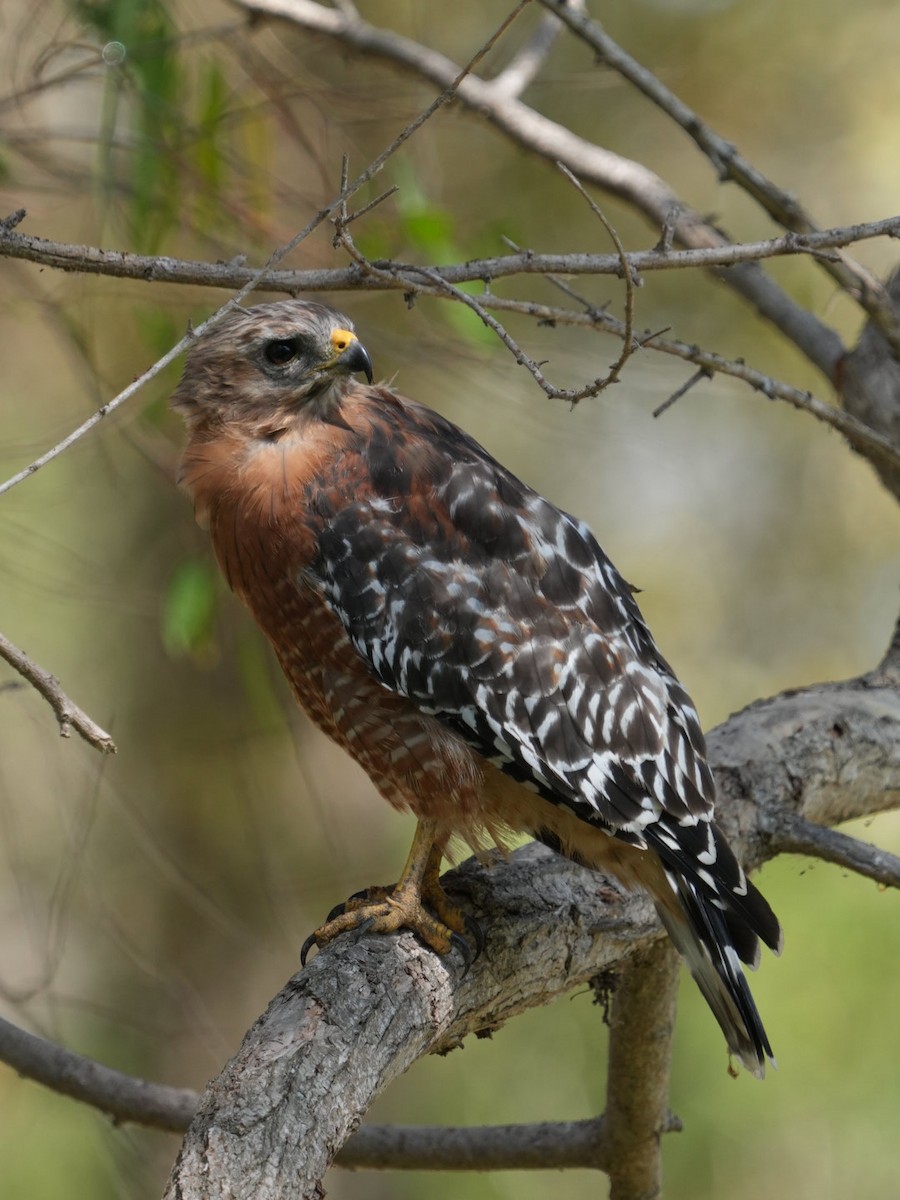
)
(717, 918)
(700, 932)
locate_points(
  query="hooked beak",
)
(355, 359)
(350, 354)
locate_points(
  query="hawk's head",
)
(269, 360)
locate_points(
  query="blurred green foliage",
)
(151, 904)
(190, 607)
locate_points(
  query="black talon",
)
(338, 911)
(460, 944)
(306, 947)
(476, 933)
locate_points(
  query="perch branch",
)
(550, 928)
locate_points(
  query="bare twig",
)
(104, 411)
(730, 164)
(630, 180)
(627, 274)
(257, 276)
(573, 395)
(697, 377)
(68, 714)
(868, 442)
(406, 277)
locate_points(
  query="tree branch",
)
(792, 834)
(124, 1097)
(68, 714)
(881, 449)
(629, 180)
(146, 268)
(640, 1058)
(730, 164)
(366, 1008)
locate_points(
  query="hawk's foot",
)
(442, 926)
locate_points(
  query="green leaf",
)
(189, 611)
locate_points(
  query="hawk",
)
(467, 642)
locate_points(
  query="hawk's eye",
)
(281, 351)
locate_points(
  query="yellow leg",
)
(387, 909)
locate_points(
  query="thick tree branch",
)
(364, 1010)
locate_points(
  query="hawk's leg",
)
(387, 909)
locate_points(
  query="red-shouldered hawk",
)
(468, 643)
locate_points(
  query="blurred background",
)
(152, 903)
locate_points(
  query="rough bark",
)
(870, 386)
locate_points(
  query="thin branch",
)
(257, 276)
(108, 408)
(628, 275)
(631, 181)
(573, 395)
(147, 268)
(871, 444)
(793, 834)
(515, 77)
(122, 1096)
(697, 377)
(68, 714)
(730, 164)
(404, 277)
(544, 1146)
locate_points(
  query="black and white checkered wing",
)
(498, 613)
